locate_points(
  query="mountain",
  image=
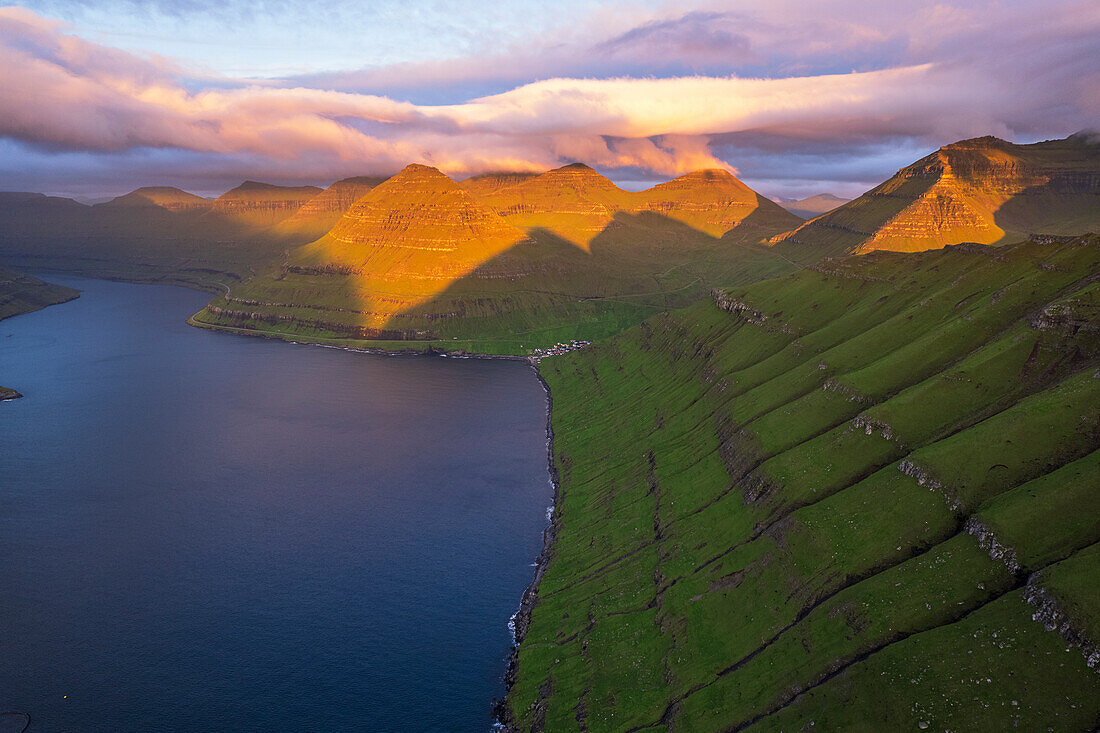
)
(485, 183)
(320, 213)
(259, 205)
(168, 198)
(983, 190)
(403, 242)
(864, 496)
(573, 203)
(812, 206)
(153, 234)
(717, 203)
(25, 215)
(576, 204)
(511, 267)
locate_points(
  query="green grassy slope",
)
(836, 498)
(534, 295)
(20, 293)
(587, 260)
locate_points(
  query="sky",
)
(796, 97)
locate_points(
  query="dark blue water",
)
(207, 532)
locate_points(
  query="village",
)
(558, 349)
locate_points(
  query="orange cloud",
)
(60, 91)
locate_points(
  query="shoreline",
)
(429, 348)
(502, 715)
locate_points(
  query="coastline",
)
(429, 347)
(503, 717)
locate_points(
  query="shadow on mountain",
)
(1066, 205)
(982, 190)
(548, 288)
(842, 230)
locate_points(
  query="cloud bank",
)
(63, 95)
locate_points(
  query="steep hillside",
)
(319, 214)
(983, 190)
(865, 496)
(261, 205)
(571, 256)
(812, 206)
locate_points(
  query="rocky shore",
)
(503, 716)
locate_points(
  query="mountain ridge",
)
(983, 190)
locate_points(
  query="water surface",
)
(209, 532)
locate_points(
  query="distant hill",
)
(320, 213)
(153, 234)
(25, 215)
(404, 242)
(983, 190)
(164, 197)
(508, 262)
(812, 206)
(256, 204)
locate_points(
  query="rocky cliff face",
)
(983, 190)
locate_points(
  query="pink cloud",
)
(62, 92)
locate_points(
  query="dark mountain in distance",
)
(320, 213)
(813, 206)
(169, 198)
(259, 205)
